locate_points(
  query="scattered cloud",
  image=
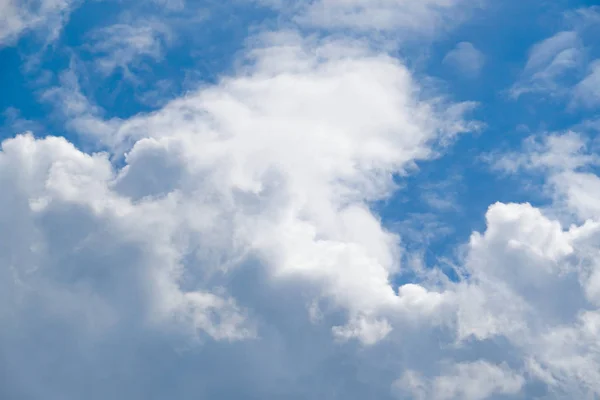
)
(124, 46)
(466, 59)
(469, 381)
(19, 17)
(548, 63)
(587, 92)
(557, 66)
(417, 17)
(535, 257)
(568, 160)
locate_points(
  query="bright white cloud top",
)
(229, 243)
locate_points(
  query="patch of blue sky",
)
(202, 49)
(446, 200)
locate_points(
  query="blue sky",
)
(299, 199)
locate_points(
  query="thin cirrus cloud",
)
(227, 244)
(123, 46)
(548, 63)
(417, 17)
(564, 65)
(587, 92)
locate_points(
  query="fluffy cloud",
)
(226, 245)
(540, 258)
(93, 253)
(271, 170)
(288, 155)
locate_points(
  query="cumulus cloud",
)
(225, 245)
(291, 152)
(56, 180)
(267, 175)
(541, 256)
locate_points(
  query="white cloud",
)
(537, 257)
(239, 215)
(548, 63)
(415, 16)
(566, 160)
(19, 17)
(557, 66)
(567, 151)
(297, 167)
(543, 54)
(266, 175)
(517, 268)
(584, 18)
(465, 58)
(88, 254)
(587, 92)
(126, 44)
(277, 164)
(466, 381)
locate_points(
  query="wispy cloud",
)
(587, 92)
(549, 63)
(557, 66)
(419, 17)
(125, 46)
(19, 17)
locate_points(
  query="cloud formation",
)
(413, 17)
(124, 45)
(587, 92)
(272, 169)
(466, 59)
(18, 17)
(564, 65)
(548, 63)
(227, 244)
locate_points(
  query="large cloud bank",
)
(226, 246)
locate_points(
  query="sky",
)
(308, 199)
